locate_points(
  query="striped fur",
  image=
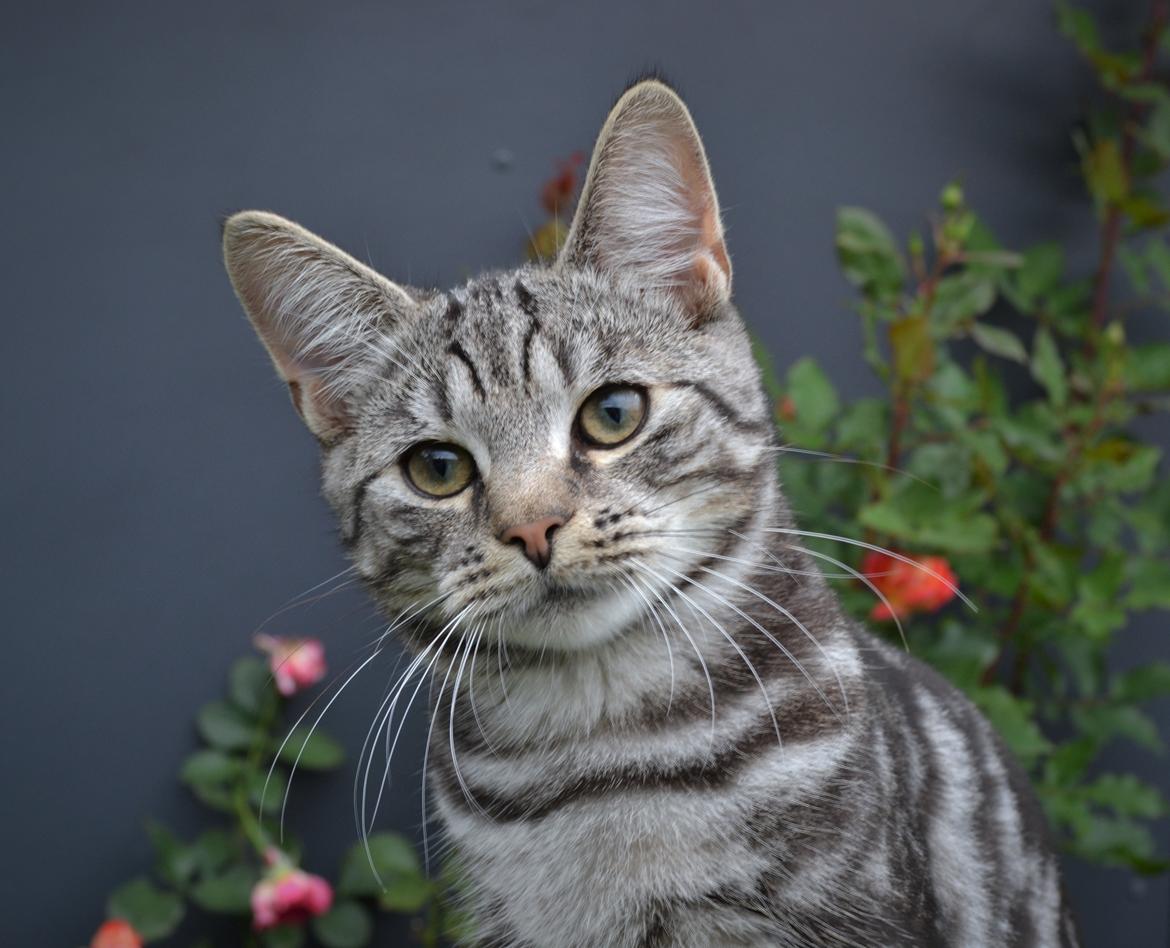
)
(671, 736)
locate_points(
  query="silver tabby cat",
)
(652, 724)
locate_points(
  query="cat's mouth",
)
(568, 615)
(549, 592)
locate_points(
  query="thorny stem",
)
(1110, 238)
(1111, 225)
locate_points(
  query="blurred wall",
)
(160, 497)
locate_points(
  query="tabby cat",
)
(651, 722)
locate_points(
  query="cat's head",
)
(540, 449)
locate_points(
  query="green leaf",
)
(251, 686)
(1048, 368)
(224, 727)
(868, 254)
(268, 790)
(153, 912)
(1104, 171)
(959, 299)
(947, 464)
(1126, 795)
(175, 861)
(1117, 464)
(999, 342)
(1145, 210)
(1149, 583)
(1118, 841)
(862, 427)
(1134, 265)
(922, 516)
(1098, 611)
(226, 894)
(1039, 273)
(1158, 259)
(813, 397)
(393, 857)
(1069, 761)
(317, 750)
(1013, 719)
(1143, 683)
(346, 925)
(913, 348)
(407, 894)
(1156, 134)
(209, 767)
(214, 849)
(1079, 26)
(1104, 722)
(959, 651)
(283, 936)
(1147, 367)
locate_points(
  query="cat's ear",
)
(319, 312)
(648, 206)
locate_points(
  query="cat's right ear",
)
(319, 312)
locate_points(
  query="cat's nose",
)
(535, 538)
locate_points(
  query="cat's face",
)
(535, 452)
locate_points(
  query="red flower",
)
(558, 191)
(287, 895)
(296, 664)
(116, 933)
(925, 584)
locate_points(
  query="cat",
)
(652, 723)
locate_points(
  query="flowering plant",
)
(243, 866)
(1006, 454)
(1003, 457)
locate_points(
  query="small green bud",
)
(952, 197)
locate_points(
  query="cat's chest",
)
(589, 871)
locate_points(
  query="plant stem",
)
(1110, 238)
(249, 822)
(1111, 225)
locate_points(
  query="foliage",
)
(1006, 442)
(240, 775)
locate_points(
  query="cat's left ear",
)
(648, 207)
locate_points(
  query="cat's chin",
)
(570, 618)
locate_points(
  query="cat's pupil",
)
(616, 407)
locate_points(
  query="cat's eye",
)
(438, 470)
(612, 415)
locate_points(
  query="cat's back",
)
(973, 837)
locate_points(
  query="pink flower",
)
(296, 663)
(116, 933)
(287, 895)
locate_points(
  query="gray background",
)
(160, 496)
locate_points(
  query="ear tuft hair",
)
(648, 208)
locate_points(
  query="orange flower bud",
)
(116, 933)
(925, 584)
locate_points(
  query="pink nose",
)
(535, 537)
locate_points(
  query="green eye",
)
(438, 470)
(612, 415)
